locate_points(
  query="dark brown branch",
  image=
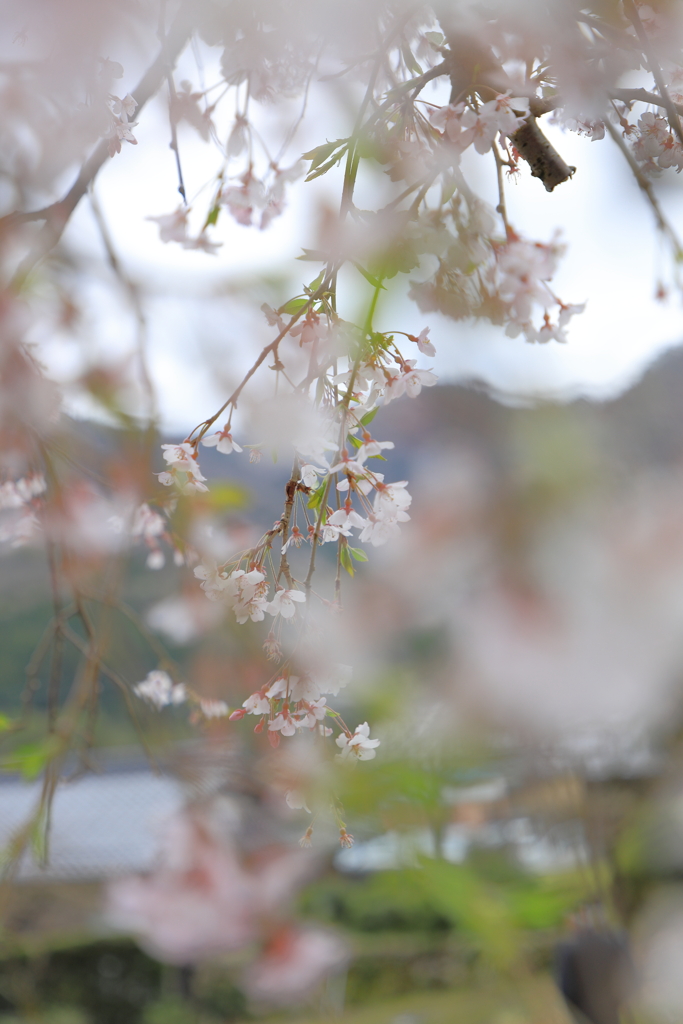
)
(56, 216)
(543, 159)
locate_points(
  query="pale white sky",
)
(201, 342)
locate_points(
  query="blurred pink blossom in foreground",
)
(202, 901)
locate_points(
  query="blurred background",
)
(519, 652)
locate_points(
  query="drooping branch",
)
(56, 216)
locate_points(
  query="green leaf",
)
(435, 38)
(31, 758)
(212, 217)
(345, 559)
(369, 416)
(354, 441)
(316, 498)
(293, 306)
(315, 284)
(320, 153)
(325, 167)
(409, 59)
(374, 281)
(358, 554)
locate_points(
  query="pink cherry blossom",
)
(293, 964)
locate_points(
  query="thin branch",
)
(645, 186)
(674, 120)
(643, 96)
(290, 491)
(501, 208)
(56, 216)
(265, 352)
(133, 293)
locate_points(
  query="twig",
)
(501, 208)
(265, 352)
(646, 187)
(133, 293)
(56, 216)
(290, 491)
(671, 111)
(643, 96)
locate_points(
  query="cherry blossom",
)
(310, 474)
(345, 518)
(423, 343)
(414, 380)
(316, 710)
(382, 527)
(359, 745)
(256, 704)
(283, 603)
(296, 800)
(182, 458)
(284, 723)
(158, 689)
(493, 118)
(172, 226)
(214, 708)
(370, 448)
(278, 688)
(241, 199)
(303, 688)
(293, 964)
(201, 900)
(222, 441)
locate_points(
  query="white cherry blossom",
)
(159, 690)
(346, 518)
(359, 745)
(222, 441)
(296, 800)
(283, 723)
(283, 603)
(303, 688)
(256, 704)
(214, 708)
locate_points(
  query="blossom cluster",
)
(159, 690)
(291, 703)
(654, 144)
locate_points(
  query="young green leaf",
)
(358, 554)
(293, 306)
(345, 559)
(374, 281)
(315, 284)
(369, 416)
(325, 167)
(320, 153)
(317, 496)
